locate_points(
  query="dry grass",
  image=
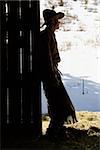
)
(86, 120)
(86, 134)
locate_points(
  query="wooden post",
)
(3, 67)
(13, 65)
(23, 87)
(26, 102)
(35, 70)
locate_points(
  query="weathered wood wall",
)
(20, 85)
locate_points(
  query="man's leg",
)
(56, 128)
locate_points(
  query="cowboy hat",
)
(50, 14)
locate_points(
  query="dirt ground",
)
(86, 133)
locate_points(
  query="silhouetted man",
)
(60, 106)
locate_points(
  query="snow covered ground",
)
(81, 77)
(79, 47)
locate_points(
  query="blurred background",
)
(79, 47)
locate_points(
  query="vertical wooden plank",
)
(3, 66)
(3, 69)
(31, 90)
(26, 101)
(13, 65)
(36, 104)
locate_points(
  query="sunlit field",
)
(86, 120)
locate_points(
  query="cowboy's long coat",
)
(49, 55)
(60, 105)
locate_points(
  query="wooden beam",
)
(13, 64)
(35, 70)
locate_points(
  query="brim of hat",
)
(59, 15)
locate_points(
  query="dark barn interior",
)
(20, 85)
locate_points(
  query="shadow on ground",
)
(79, 140)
